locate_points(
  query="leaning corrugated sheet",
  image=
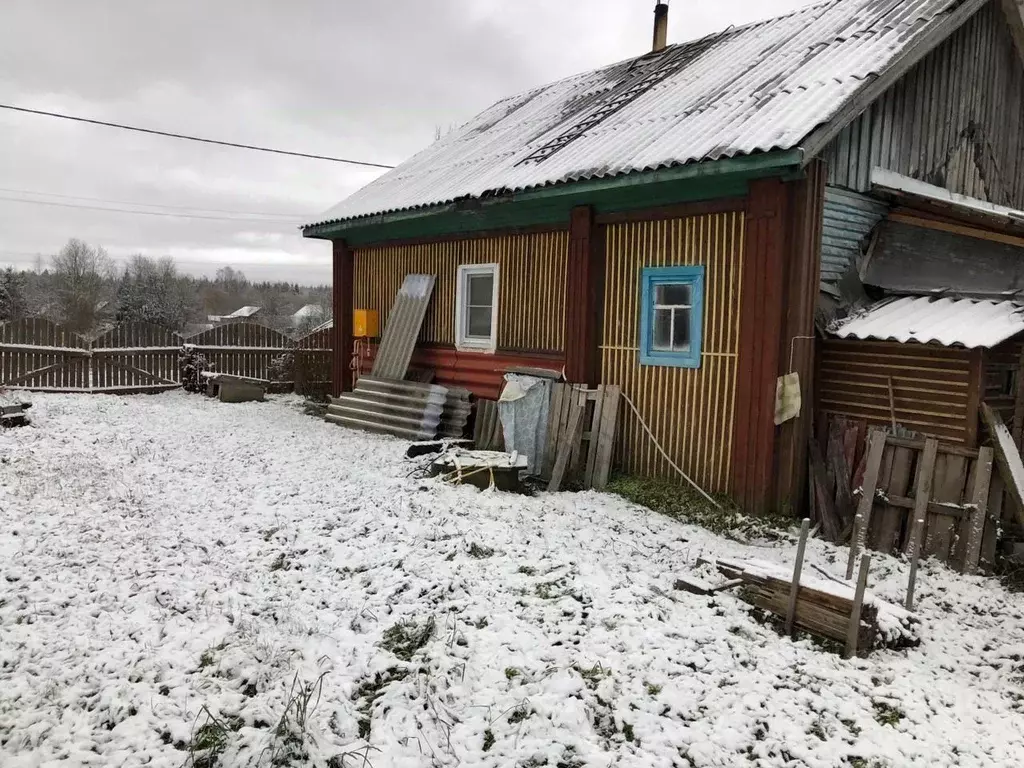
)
(950, 322)
(751, 89)
(848, 221)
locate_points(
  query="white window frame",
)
(462, 340)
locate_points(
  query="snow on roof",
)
(960, 322)
(246, 311)
(898, 185)
(756, 88)
(309, 310)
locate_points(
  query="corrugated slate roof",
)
(950, 322)
(746, 90)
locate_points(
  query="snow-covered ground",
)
(175, 570)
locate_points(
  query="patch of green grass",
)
(488, 740)
(479, 551)
(886, 714)
(369, 691)
(818, 729)
(627, 732)
(511, 673)
(592, 676)
(405, 638)
(519, 714)
(652, 689)
(683, 503)
(210, 740)
(852, 727)
(527, 570)
(280, 562)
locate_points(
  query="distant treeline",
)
(85, 291)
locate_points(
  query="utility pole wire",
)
(194, 209)
(191, 138)
(170, 214)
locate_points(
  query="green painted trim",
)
(551, 205)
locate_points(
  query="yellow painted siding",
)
(690, 411)
(531, 304)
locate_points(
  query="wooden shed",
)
(674, 223)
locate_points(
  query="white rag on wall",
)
(523, 407)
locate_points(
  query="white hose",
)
(661, 450)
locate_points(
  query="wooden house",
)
(675, 223)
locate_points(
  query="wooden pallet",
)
(581, 435)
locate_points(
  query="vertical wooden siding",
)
(931, 385)
(1002, 364)
(532, 270)
(955, 120)
(690, 411)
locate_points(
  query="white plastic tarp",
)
(523, 407)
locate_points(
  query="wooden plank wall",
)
(955, 120)
(532, 279)
(1002, 380)
(690, 411)
(931, 386)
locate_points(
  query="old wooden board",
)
(876, 446)
(1008, 459)
(889, 525)
(606, 436)
(947, 488)
(979, 500)
(924, 490)
(990, 536)
(570, 437)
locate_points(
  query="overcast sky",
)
(351, 78)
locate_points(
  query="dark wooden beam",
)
(341, 338)
(802, 272)
(761, 320)
(584, 298)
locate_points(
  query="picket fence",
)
(37, 354)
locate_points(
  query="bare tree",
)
(81, 273)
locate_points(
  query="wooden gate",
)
(242, 349)
(136, 357)
(38, 354)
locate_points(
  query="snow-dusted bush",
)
(192, 363)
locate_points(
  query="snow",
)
(166, 558)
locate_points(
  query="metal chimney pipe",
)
(660, 27)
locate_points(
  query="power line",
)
(291, 216)
(191, 138)
(143, 213)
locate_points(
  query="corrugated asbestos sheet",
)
(848, 220)
(955, 119)
(749, 89)
(402, 408)
(950, 322)
(403, 327)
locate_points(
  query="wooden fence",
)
(841, 469)
(38, 354)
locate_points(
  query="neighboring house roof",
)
(950, 322)
(307, 311)
(247, 311)
(751, 89)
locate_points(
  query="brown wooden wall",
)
(532, 279)
(1002, 380)
(690, 411)
(932, 386)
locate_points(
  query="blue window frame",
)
(671, 316)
